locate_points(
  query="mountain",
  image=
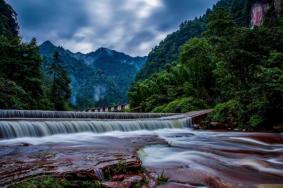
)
(104, 55)
(99, 78)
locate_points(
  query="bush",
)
(255, 121)
(228, 113)
(182, 105)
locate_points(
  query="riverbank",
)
(202, 120)
(206, 124)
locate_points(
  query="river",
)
(189, 158)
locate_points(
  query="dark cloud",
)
(131, 26)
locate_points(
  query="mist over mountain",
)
(100, 78)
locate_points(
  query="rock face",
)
(258, 12)
(261, 7)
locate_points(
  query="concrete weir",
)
(17, 123)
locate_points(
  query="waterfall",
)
(40, 128)
(19, 114)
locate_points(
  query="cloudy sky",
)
(130, 26)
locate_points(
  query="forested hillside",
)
(23, 85)
(231, 67)
(100, 78)
(167, 51)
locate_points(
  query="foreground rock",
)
(177, 158)
(98, 159)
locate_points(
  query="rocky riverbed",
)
(164, 158)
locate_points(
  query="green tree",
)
(198, 56)
(8, 22)
(60, 90)
(11, 95)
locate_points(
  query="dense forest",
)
(22, 83)
(224, 64)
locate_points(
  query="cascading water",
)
(19, 114)
(15, 125)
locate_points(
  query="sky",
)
(130, 26)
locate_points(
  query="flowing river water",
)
(36, 143)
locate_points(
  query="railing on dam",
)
(116, 108)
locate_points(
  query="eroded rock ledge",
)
(111, 161)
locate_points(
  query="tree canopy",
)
(230, 67)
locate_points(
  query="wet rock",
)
(116, 184)
(129, 181)
(118, 177)
(81, 175)
(212, 159)
(217, 183)
(25, 144)
(196, 126)
(86, 160)
(278, 128)
(175, 185)
(217, 125)
(134, 179)
(267, 137)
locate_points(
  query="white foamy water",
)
(24, 128)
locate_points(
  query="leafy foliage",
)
(236, 68)
(168, 50)
(11, 95)
(182, 105)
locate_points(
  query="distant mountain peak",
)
(102, 49)
(48, 43)
(105, 51)
(101, 55)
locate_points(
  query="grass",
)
(51, 182)
(162, 179)
(120, 168)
